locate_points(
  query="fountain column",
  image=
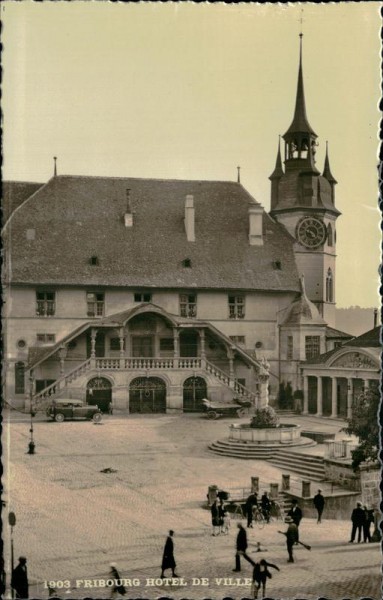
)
(264, 377)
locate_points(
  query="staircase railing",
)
(57, 386)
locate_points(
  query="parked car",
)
(62, 409)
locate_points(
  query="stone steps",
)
(250, 450)
(308, 466)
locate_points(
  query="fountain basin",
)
(284, 433)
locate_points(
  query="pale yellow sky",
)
(190, 91)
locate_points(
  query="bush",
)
(264, 417)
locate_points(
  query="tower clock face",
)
(311, 232)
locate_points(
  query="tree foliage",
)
(364, 423)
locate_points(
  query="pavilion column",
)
(334, 399)
(63, 351)
(176, 343)
(319, 412)
(349, 398)
(305, 395)
(93, 334)
(203, 349)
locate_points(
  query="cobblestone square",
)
(73, 519)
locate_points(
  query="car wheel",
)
(97, 417)
(59, 418)
(212, 414)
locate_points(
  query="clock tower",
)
(303, 200)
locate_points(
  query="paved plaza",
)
(73, 519)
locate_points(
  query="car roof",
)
(67, 401)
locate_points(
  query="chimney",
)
(128, 217)
(375, 317)
(255, 225)
(189, 218)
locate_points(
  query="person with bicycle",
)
(251, 502)
(266, 506)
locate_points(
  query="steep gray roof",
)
(75, 218)
(14, 193)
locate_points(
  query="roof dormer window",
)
(94, 261)
(187, 263)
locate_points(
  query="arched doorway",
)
(147, 395)
(99, 392)
(195, 390)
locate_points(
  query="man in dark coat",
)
(291, 537)
(357, 518)
(319, 503)
(250, 503)
(19, 581)
(296, 514)
(168, 561)
(241, 548)
(260, 576)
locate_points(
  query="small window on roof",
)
(94, 260)
(186, 263)
(277, 265)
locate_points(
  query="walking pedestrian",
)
(291, 537)
(260, 576)
(222, 512)
(319, 503)
(241, 547)
(19, 580)
(117, 588)
(368, 519)
(357, 518)
(168, 561)
(251, 501)
(266, 506)
(215, 517)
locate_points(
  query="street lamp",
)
(31, 445)
(12, 523)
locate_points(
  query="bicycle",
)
(276, 512)
(258, 518)
(238, 511)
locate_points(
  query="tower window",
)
(19, 378)
(329, 235)
(188, 305)
(236, 307)
(329, 287)
(290, 347)
(312, 346)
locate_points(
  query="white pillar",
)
(349, 398)
(305, 395)
(319, 412)
(334, 399)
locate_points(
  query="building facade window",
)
(19, 378)
(329, 235)
(236, 307)
(95, 304)
(290, 347)
(142, 297)
(188, 305)
(312, 346)
(46, 338)
(329, 287)
(45, 303)
(238, 339)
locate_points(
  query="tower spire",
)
(326, 170)
(278, 171)
(300, 122)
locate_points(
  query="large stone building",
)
(157, 293)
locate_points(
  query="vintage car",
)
(214, 410)
(62, 409)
